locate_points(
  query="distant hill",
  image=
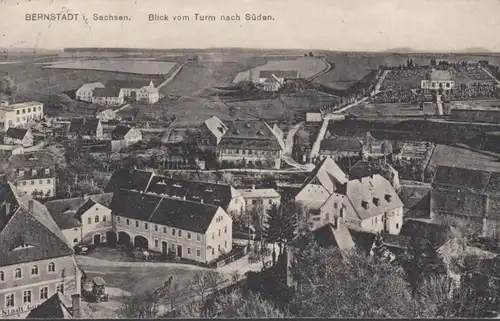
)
(475, 50)
(401, 50)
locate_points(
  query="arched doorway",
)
(123, 238)
(141, 242)
(111, 238)
(97, 239)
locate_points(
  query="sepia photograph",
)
(249, 159)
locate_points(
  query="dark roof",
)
(344, 144)
(412, 196)
(106, 92)
(279, 73)
(138, 180)
(249, 134)
(21, 227)
(368, 168)
(363, 239)
(84, 126)
(129, 83)
(67, 220)
(472, 179)
(120, 131)
(211, 193)
(182, 214)
(33, 160)
(16, 133)
(436, 234)
(326, 173)
(53, 308)
(329, 235)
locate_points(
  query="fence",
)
(238, 254)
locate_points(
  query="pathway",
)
(491, 75)
(287, 152)
(173, 75)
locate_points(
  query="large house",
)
(127, 134)
(438, 80)
(18, 115)
(108, 96)
(18, 136)
(210, 133)
(467, 196)
(34, 173)
(35, 260)
(265, 76)
(222, 195)
(251, 143)
(86, 128)
(84, 219)
(367, 168)
(196, 231)
(136, 89)
(264, 197)
(86, 92)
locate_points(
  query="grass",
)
(457, 156)
(393, 109)
(134, 67)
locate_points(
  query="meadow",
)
(461, 157)
(140, 67)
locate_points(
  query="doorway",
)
(179, 250)
(164, 247)
(97, 239)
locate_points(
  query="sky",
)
(343, 25)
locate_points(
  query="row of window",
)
(40, 181)
(34, 172)
(249, 152)
(10, 299)
(96, 219)
(174, 231)
(225, 231)
(198, 252)
(18, 272)
(28, 109)
(261, 201)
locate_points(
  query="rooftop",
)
(250, 134)
(279, 73)
(33, 159)
(129, 83)
(120, 131)
(16, 133)
(107, 92)
(259, 193)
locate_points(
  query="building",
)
(211, 133)
(18, 136)
(222, 195)
(148, 95)
(273, 83)
(108, 97)
(58, 306)
(35, 260)
(86, 92)
(192, 230)
(265, 197)
(279, 75)
(84, 219)
(18, 115)
(368, 168)
(34, 173)
(251, 143)
(438, 80)
(86, 128)
(107, 115)
(470, 197)
(130, 87)
(339, 147)
(127, 134)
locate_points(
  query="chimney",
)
(7, 208)
(30, 206)
(75, 300)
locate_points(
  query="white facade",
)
(47, 186)
(17, 115)
(273, 157)
(86, 92)
(148, 94)
(133, 136)
(96, 221)
(437, 84)
(110, 101)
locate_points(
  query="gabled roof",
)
(157, 209)
(84, 126)
(138, 180)
(370, 196)
(33, 160)
(340, 144)
(107, 92)
(279, 73)
(436, 234)
(55, 307)
(216, 126)
(25, 235)
(120, 131)
(412, 196)
(250, 134)
(330, 235)
(129, 83)
(368, 168)
(92, 85)
(328, 174)
(259, 193)
(16, 133)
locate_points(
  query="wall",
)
(89, 230)
(236, 205)
(218, 234)
(71, 234)
(233, 155)
(47, 185)
(71, 281)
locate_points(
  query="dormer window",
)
(388, 197)
(176, 185)
(365, 205)
(209, 190)
(22, 247)
(376, 201)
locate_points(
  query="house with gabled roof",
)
(210, 133)
(86, 91)
(127, 134)
(108, 96)
(467, 196)
(136, 89)
(86, 128)
(18, 136)
(84, 219)
(35, 259)
(58, 306)
(187, 229)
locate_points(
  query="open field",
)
(488, 103)
(471, 77)
(307, 67)
(457, 156)
(392, 109)
(132, 67)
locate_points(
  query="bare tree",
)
(204, 282)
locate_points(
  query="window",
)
(213, 251)
(96, 219)
(118, 219)
(145, 226)
(254, 202)
(164, 230)
(24, 111)
(180, 233)
(156, 243)
(44, 293)
(375, 220)
(225, 244)
(127, 221)
(18, 274)
(51, 267)
(189, 250)
(270, 202)
(213, 236)
(219, 232)
(173, 231)
(60, 288)
(156, 228)
(89, 220)
(173, 247)
(34, 270)
(2, 276)
(9, 300)
(218, 247)
(225, 229)
(32, 182)
(75, 240)
(397, 225)
(189, 236)
(136, 223)
(29, 110)
(198, 252)
(27, 296)
(198, 237)
(40, 181)
(104, 218)
(17, 112)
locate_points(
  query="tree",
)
(281, 225)
(140, 306)
(236, 305)
(55, 104)
(386, 147)
(204, 282)
(7, 87)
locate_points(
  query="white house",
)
(21, 114)
(438, 80)
(279, 75)
(107, 115)
(265, 197)
(192, 230)
(108, 96)
(148, 94)
(127, 134)
(131, 87)
(18, 136)
(86, 92)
